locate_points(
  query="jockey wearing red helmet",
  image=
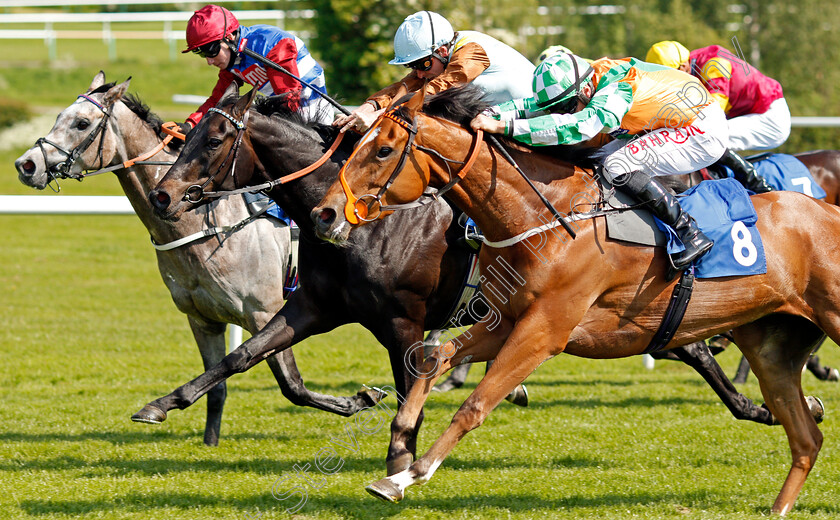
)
(214, 33)
(205, 26)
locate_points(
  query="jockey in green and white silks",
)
(662, 121)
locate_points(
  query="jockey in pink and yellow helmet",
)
(756, 110)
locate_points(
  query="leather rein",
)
(196, 193)
(358, 209)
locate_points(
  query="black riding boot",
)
(667, 208)
(744, 172)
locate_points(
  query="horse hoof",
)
(371, 396)
(385, 490)
(519, 396)
(150, 415)
(833, 374)
(816, 407)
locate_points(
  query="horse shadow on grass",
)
(360, 506)
(140, 436)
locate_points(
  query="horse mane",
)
(461, 104)
(142, 111)
(277, 106)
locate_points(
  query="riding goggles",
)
(209, 50)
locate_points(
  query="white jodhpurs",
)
(671, 151)
(761, 131)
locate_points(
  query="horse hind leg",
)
(777, 348)
(821, 372)
(698, 356)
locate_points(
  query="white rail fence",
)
(50, 34)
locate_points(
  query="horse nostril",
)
(27, 167)
(160, 199)
(327, 215)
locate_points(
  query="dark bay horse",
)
(395, 283)
(350, 283)
(588, 296)
(227, 277)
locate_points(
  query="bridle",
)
(358, 209)
(62, 170)
(196, 193)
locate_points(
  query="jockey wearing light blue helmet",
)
(440, 58)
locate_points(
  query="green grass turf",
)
(90, 335)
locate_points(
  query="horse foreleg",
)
(210, 338)
(698, 356)
(777, 347)
(522, 353)
(475, 344)
(292, 324)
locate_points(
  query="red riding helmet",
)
(208, 25)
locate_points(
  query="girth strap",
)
(674, 313)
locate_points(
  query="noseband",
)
(358, 209)
(196, 193)
(62, 170)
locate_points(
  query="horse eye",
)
(214, 143)
(82, 124)
(384, 152)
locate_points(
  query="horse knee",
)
(469, 417)
(237, 361)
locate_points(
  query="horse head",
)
(217, 156)
(78, 140)
(395, 163)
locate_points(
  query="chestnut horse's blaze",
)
(594, 297)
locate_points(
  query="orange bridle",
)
(357, 209)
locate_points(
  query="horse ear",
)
(231, 90)
(97, 82)
(115, 93)
(243, 103)
(398, 95)
(415, 104)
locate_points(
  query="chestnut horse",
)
(591, 296)
(398, 273)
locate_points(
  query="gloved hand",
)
(184, 127)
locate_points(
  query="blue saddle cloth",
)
(786, 172)
(724, 212)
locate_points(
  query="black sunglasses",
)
(423, 64)
(209, 50)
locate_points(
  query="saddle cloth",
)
(723, 211)
(785, 172)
